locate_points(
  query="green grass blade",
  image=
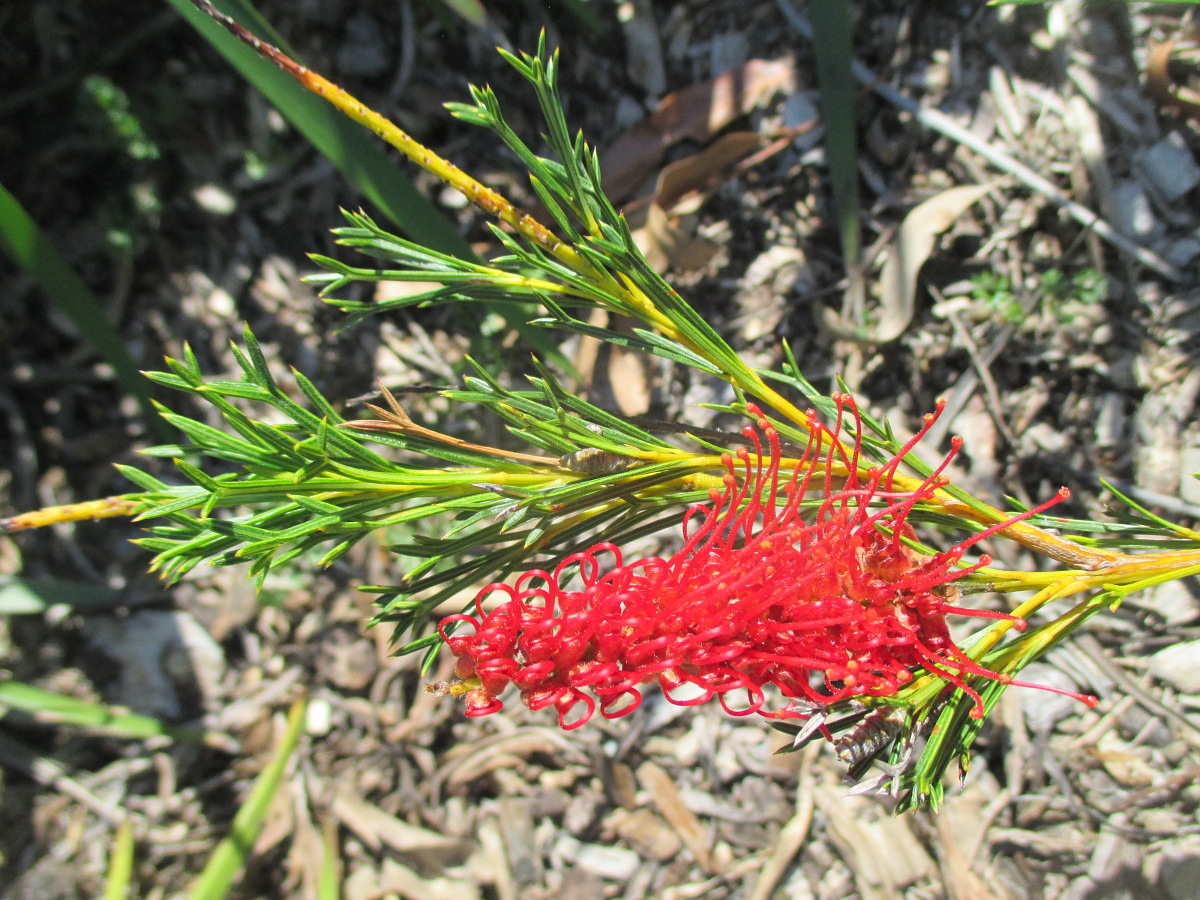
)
(120, 865)
(229, 856)
(328, 886)
(832, 46)
(33, 596)
(34, 251)
(346, 145)
(470, 11)
(46, 706)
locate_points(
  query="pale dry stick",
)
(965, 384)
(661, 787)
(960, 881)
(858, 848)
(990, 812)
(984, 372)
(306, 851)
(1090, 646)
(1157, 794)
(700, 890)
(793, 834)
(483, 753)
(499, 868)
(248, 710)
(981, 364)
(1020, 747)
(1081, 118)
(1093, 93)
(1104, 724)
(168, 777)
(937, 121)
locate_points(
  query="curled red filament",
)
(824, 606)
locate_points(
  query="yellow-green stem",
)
(493, 203)
(487, 199)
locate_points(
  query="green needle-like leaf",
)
(288, 476)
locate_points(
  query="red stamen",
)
(823, 610)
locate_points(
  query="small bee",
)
(593, 461)
(869, 735)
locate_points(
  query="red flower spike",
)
(822, 610)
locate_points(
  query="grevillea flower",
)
(824, 604)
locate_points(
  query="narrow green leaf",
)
(242, 390)
(119, 882)
(328, 887)
(47, 706)
(168, 379)
(217, 443)
(354, 151)
(34, 252)
(31, 596)
(230, 855)
(142, 479)
(832, 46)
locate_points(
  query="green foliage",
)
(592, 262)
(461, 514)
(46, 706)
(119, 881)
(833, 47)
(313, 483)
(1065, 296)
(995, 291)
(107, 108)
(1086, 287)
(354, 152)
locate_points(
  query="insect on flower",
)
(822, 605)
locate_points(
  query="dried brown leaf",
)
(661, 788)
(1160, 85)
(667, 246)
(685, 184)
(697, 112)
(647, 833)
(630, 381)
(909, 250)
